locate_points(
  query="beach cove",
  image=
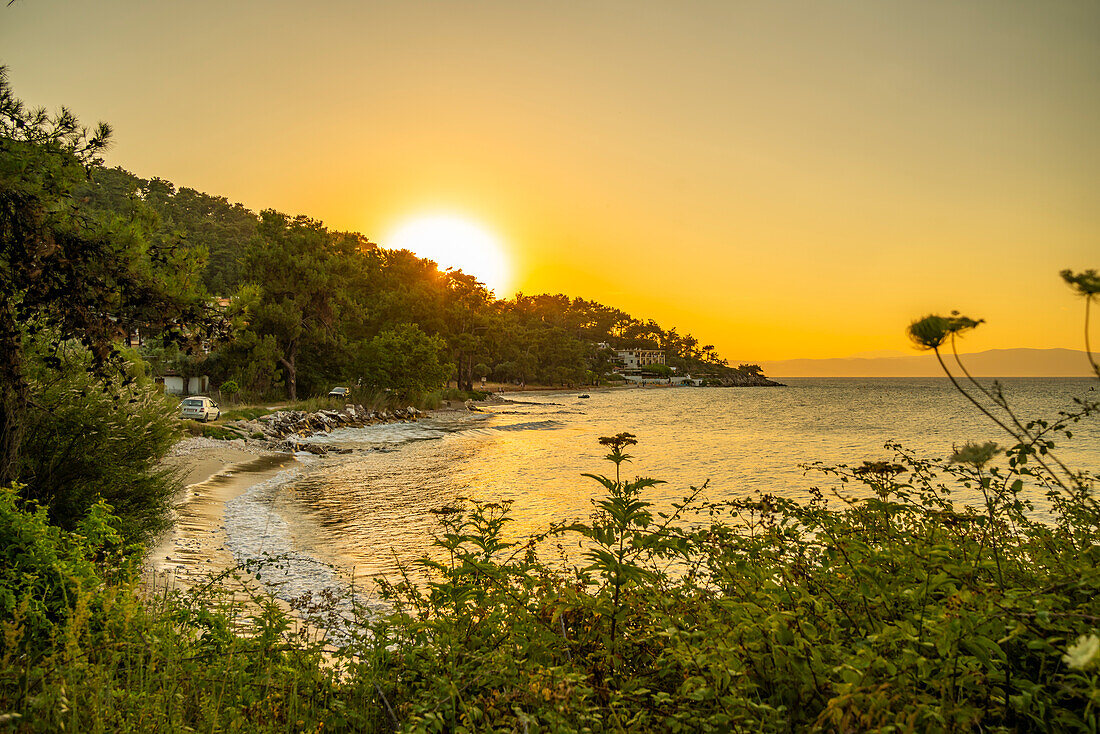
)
(361, 514)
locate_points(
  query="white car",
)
(200, 409)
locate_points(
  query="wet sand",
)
(196, 546)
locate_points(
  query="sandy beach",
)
(213, 473)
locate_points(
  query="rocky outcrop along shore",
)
(283, 429)
(738, 379)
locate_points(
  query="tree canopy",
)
(71, 265)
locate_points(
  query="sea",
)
(325, 522)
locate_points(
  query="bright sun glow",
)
(454, 242)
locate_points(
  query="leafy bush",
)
(45, 571)
(879, 605)
(82, 651)
(89, 438)
(406, 360)
(660, 370)
(229, 388)
(247, 413)
(889, 606)
(451, 393)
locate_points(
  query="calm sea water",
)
(363, 513)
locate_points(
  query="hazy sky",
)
(781, 179)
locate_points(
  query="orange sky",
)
(781, 179)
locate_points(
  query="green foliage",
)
(253, 360)
(82, 651)
(406, 360)
(89, 438)
(201, 223)
(195, 428)
(46, 572)
(247, 413)
(306, 289)
(450, 393)
(890, 606)
(73, 268)
(660, 370)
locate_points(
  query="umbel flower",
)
(1083, 653)
(1087, 282)
(975, 454)
(931, 331)
(878, 468)
(619, 441)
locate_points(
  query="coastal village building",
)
(634, 358)
(176, 384)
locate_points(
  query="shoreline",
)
(213, 473)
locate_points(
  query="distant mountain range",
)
(992, 363)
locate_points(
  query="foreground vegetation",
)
(881, 606)
(892, 610)
(878, 604)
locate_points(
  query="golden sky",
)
(781, 179)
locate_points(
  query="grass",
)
(207, 430)
(451, 393)
(246, 412)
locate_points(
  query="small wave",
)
(381, 434)
(262, 541)
(547, 425)
(252, 525)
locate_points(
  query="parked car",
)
(339, 392)
(200, 409)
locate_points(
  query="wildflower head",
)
(618, 441)
(931, 331)
(1086, 283)
(975, 454)
(882, 469)
(1083, 653)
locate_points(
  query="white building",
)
(179, 385)
(635, 358)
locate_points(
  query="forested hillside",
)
(309, 307)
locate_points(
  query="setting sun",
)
(455, 242)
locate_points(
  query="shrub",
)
(82, 651)
(89, 438)
(229, 389)
(892, 605)
(46, 572)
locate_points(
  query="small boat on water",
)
(586, 395)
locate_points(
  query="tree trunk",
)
(291, 371)
(14, 398)
(468, 374)
(13, 409)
